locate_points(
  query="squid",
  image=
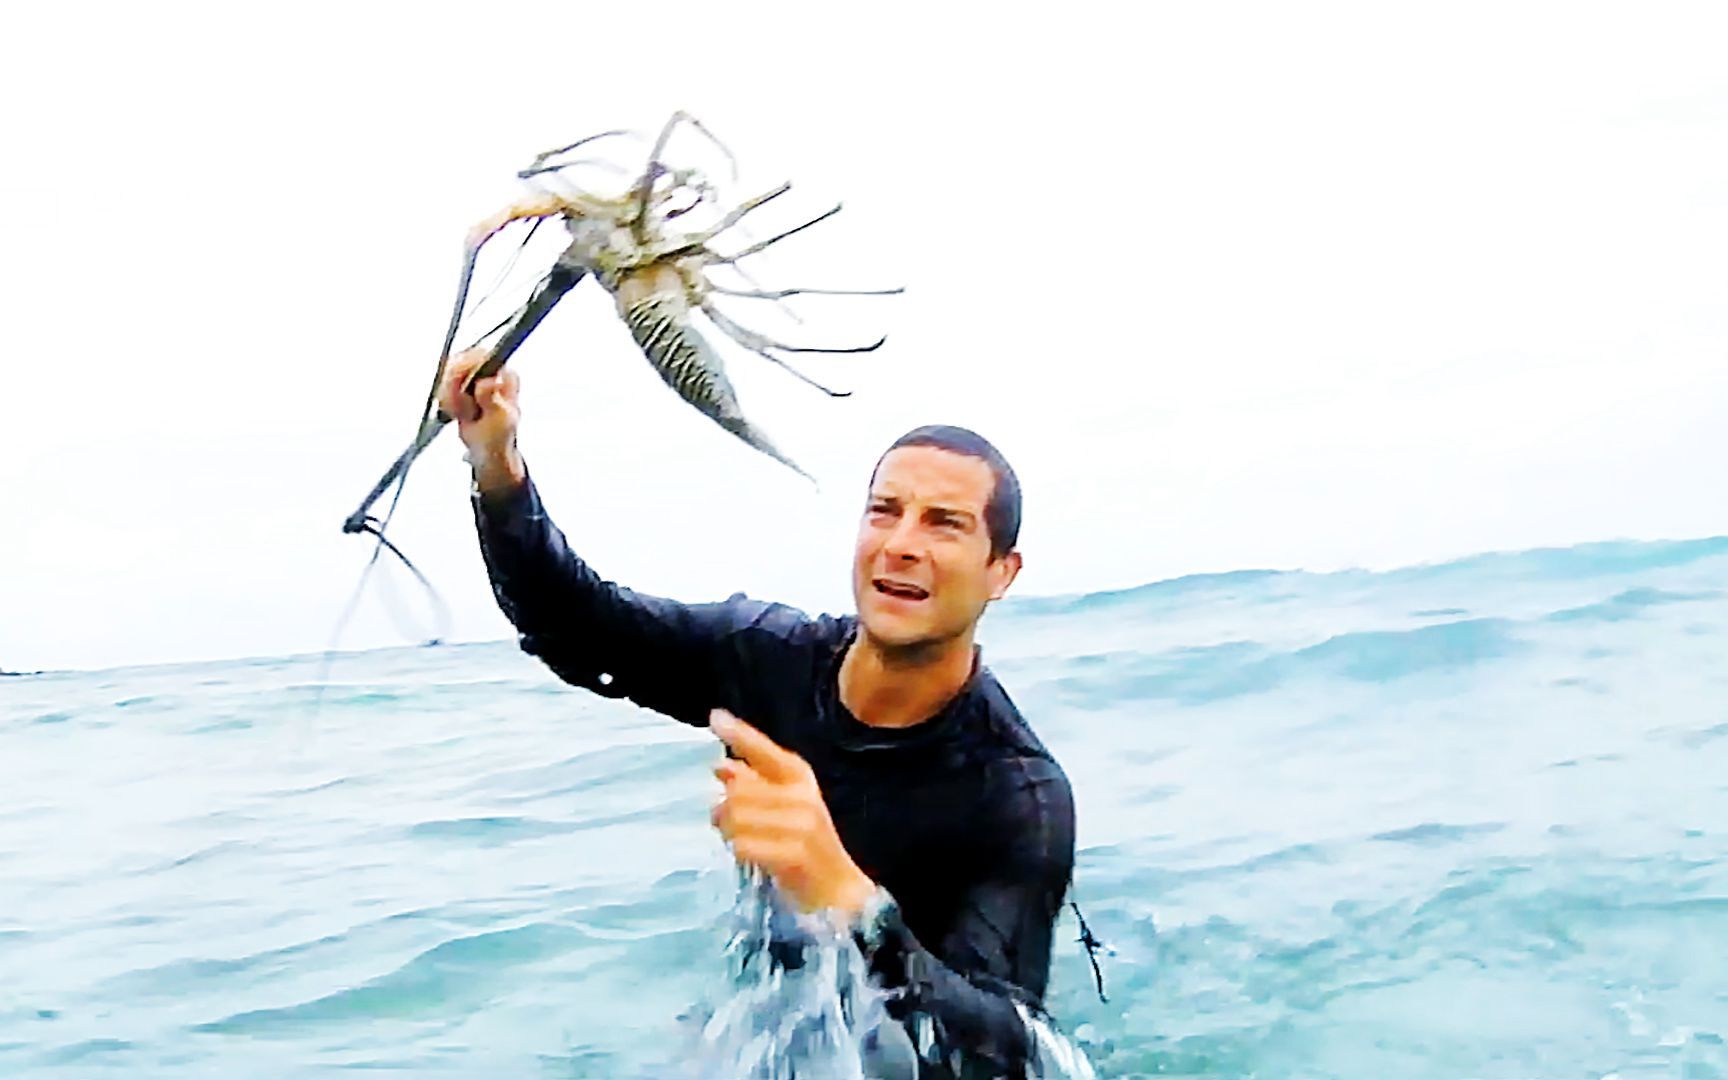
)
(658, 275)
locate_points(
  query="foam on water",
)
(774, 1021)
(1464, 820)
(814, 1011)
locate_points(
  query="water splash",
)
(801, 1003)
(1054, 1056)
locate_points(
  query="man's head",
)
(937, 541)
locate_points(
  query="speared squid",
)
(657, 276)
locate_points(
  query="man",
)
(877, 771)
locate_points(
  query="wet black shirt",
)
(965, 818)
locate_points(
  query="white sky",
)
(1231, 284)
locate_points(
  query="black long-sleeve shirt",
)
(965, 818)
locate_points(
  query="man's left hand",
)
(773, 816)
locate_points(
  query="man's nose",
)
(903, 542)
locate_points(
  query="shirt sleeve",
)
(677, 659)
(997, 954)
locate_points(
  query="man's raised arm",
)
(659, 653)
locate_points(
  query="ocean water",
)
(1467, 820)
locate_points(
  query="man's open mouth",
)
(900, 589)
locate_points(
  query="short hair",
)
(1002, 510)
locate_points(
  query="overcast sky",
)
(1233, 285)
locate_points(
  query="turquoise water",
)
(1458, 821)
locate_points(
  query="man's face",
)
(922, 572)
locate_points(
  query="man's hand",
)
(773, 816)
(486, 420)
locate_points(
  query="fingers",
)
(771, 811)
(495, 392)
(501, 390)
(446, 397)
(770, 855)
(745, 787)
(732, 769)
(752, 805)
(743, 820)
(761, 753)
(451, 396)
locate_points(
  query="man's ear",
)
(1002, 574)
